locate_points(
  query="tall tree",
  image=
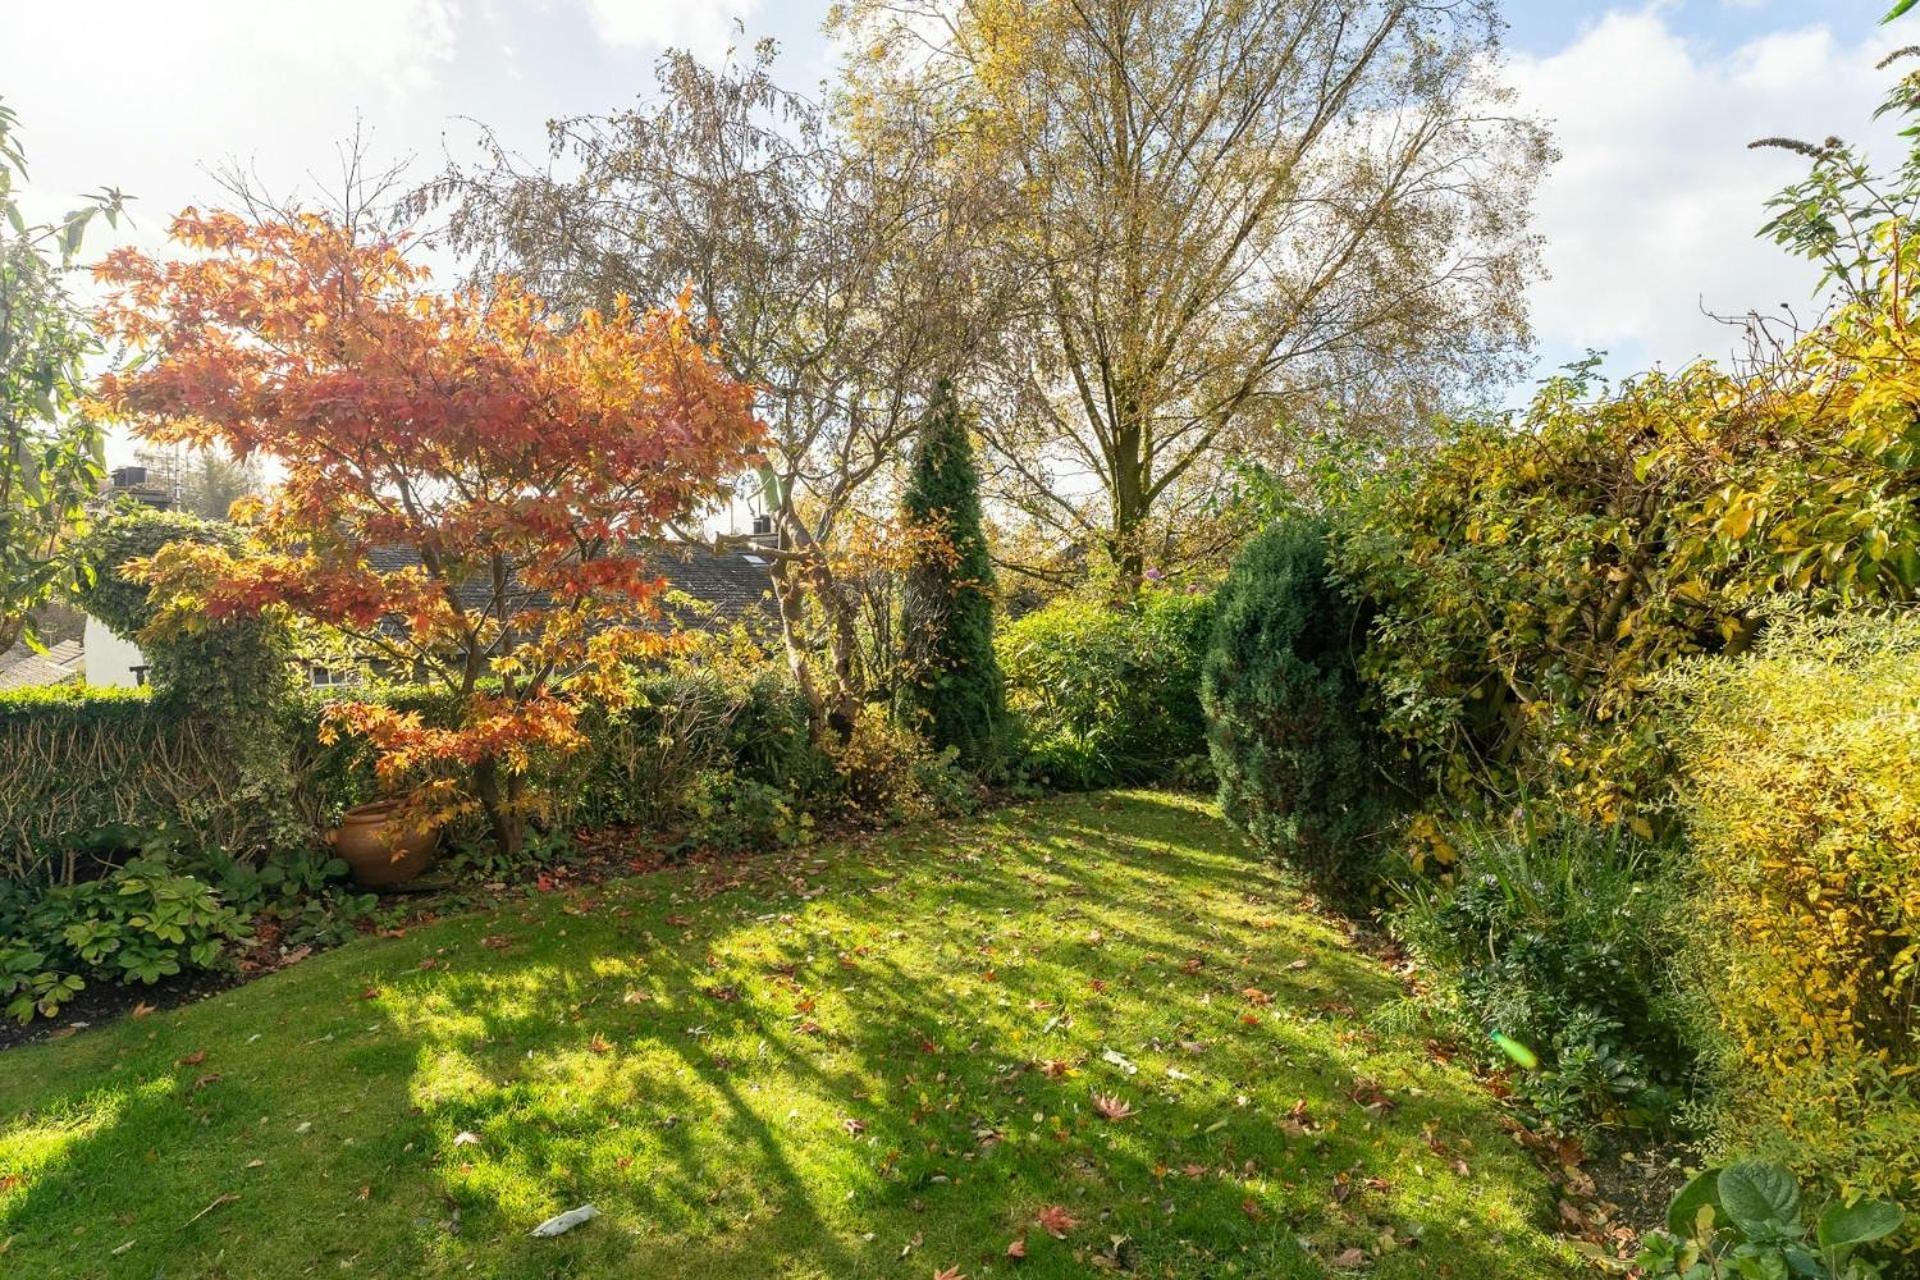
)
(468, 476)
(836, 279)
(1233, 215)
(50, 456)
(952, 686)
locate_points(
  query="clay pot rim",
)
(372, 811)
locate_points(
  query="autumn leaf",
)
(1256, 997)
(140, 1010)
(193, 1059)
(1111, 1107)
(1056, 1221)
(951, 1273)
(1018, 1248)
(1055, 1069)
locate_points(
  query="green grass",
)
(824, 1065)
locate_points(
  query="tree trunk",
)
(1128, 494)
(500, 799)
(839, 711)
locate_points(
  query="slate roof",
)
(21, 667)
(733, 585)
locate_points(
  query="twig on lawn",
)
(217, 1202)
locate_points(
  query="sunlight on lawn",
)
(883, 1061)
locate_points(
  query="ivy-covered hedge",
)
(75, 760)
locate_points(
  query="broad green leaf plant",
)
(1746, 1221)
(51, 457)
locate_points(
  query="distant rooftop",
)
(21, 667)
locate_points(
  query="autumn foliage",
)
(469, 478)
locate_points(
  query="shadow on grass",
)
(882, 1067)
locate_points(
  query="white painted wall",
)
(109, 659)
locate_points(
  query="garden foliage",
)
(1110, 693)
(951, 687)
(1531, 580)
(1801, 783)
(1300, 771)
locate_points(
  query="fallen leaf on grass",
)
(466, 1138)
(1256, 997)
(1056, 1221)
(207, 1079)
(141, 1010)
(1018, 1249)
(1111, 1107)
(951, 1273)
(1350, 1259)
(193, 1059)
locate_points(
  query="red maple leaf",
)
(1111, 1106)
(1056, 1221)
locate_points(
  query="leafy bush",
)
(1801, 786)
(1110, 694)
(146, 919)
(638, 763)
(1298, 767)
(1532, 578)
(1746, 1220)
(886, 772)
(1562, 941)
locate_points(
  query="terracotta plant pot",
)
(379, 851)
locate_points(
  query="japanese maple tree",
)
(469, 478)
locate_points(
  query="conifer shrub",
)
(1300, 769)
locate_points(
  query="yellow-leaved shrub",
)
(1800, 773)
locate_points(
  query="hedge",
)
(1110, 694)
(1800, 779)
(74, 760)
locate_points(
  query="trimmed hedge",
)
(74, 760)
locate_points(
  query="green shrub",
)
(1300, 771)
(641, 764)
(146, 919)
(1110, 694)
(1563, 941)
(1747, 1220)
(952, 689)
(1532, 578)
(1801, 790)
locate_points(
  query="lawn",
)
(882, 1057)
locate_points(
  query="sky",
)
(1648, 216)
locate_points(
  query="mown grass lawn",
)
(873, 1058)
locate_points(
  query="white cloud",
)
(1651, 214)
(706, 27)
(139, 93)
